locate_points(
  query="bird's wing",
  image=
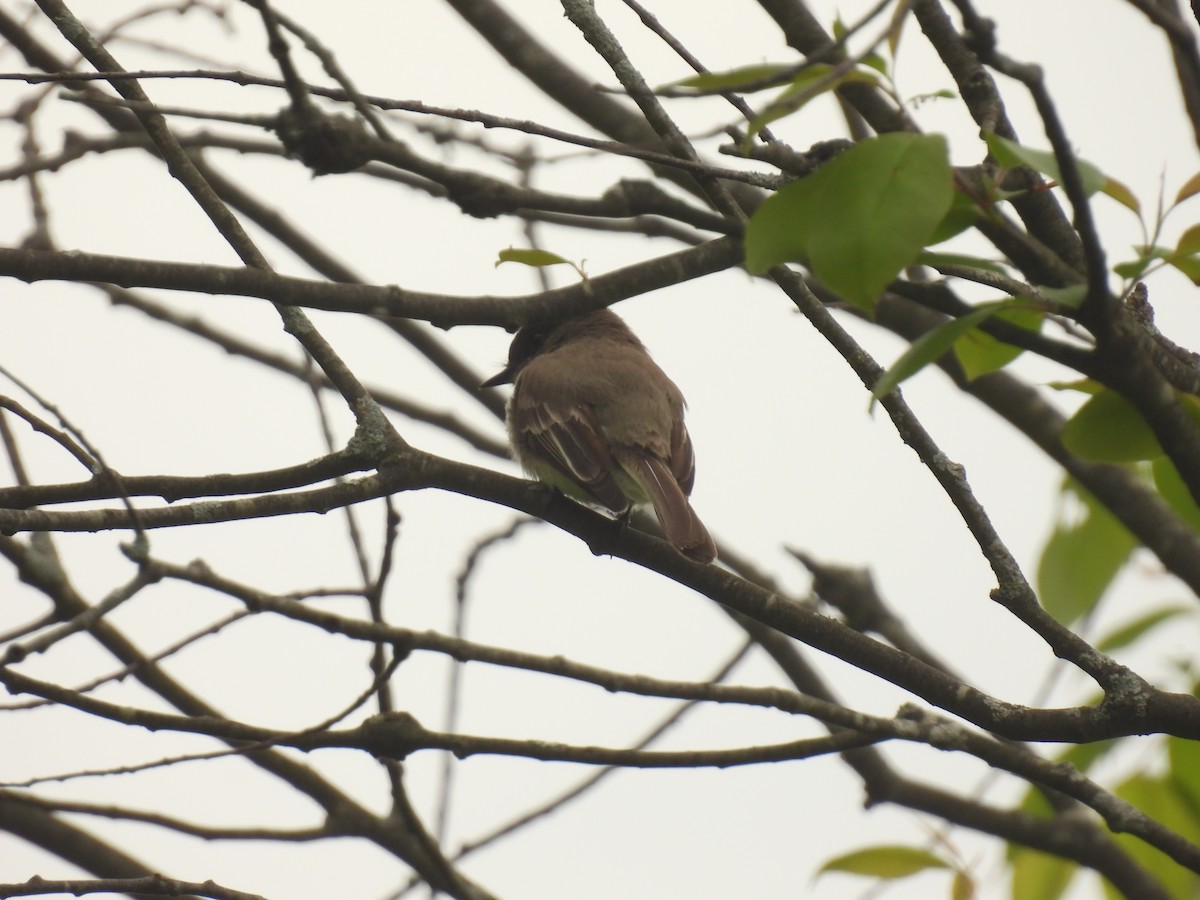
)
(683, 458)
(568, 438)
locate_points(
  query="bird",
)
(593, 415)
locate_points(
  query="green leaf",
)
(920, 99)
(861, 218)
(1107, 428)
(1081, 385)
(876, 62)
(1132, 631)
(1189, 242)
(896, 27)
(1190, 188)
(810, 83)
(1071, 297)
(1040, 876)
(1121, 194)
(1134, 268)
(1185, 256)
(963, 887)
(930, 347)
(1131, 269)
(979, 353)
(937, 260)
(1184, 757)
(1188, 265)
(1171, 486)
(536, 258)
(731, 79)
(1011, 154)
(1081, 559)
(963, 213)
(1160, 799)
(888, 862)
(1155, 251)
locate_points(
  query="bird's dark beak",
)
(503, 377)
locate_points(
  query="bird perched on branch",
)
(594, 416)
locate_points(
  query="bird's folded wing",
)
(568, 437)
(683, 457)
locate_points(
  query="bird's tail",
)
(679, 521)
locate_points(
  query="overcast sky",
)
(788, 456)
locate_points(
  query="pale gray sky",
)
(788, 456)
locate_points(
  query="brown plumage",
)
(594, 416)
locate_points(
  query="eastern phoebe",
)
(593, 415)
